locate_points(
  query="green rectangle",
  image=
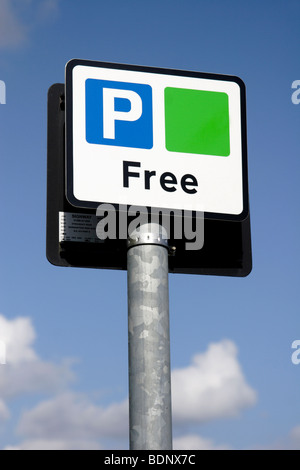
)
(197, 121)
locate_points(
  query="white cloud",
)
(213, 386)
(291, 441)
(72, 416)
(34, 376)
(70, 421)
(55, 444)
(17, 335)
(195, 442)
(23, 371)
(295, 438)
(18, 19)
(12, 31)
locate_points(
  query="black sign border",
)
(162, 71)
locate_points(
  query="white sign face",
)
(155, 138)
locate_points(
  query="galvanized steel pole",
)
(150, 417)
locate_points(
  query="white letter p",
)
(110, 115)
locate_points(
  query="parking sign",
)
(156, 138)
(71, 231)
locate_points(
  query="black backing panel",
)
(227, 244)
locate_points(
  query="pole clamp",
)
(148, 234)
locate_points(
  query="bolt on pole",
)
(150, 415)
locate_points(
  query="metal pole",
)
(150, 416)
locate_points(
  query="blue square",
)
(119, 113)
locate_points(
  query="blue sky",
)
(65, 384)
